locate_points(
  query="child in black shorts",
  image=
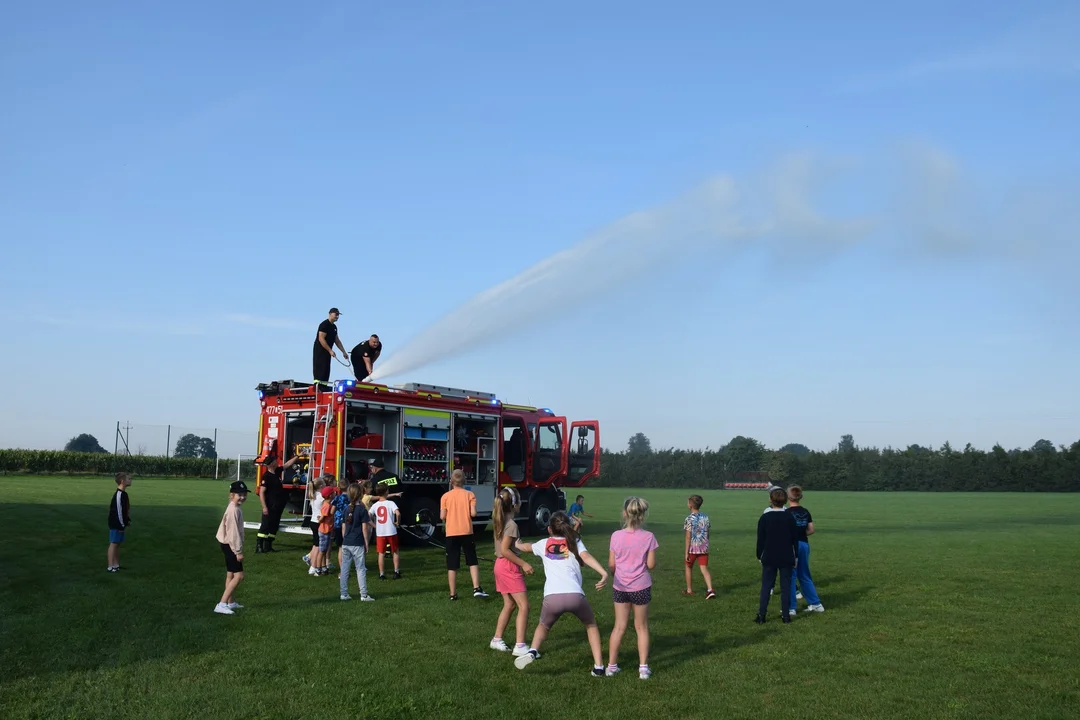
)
(230, 535)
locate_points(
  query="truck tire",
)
(424, 522)
(541, 507)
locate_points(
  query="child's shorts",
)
(559, 604)
(337, 537)
(116, 536)
(508, 577)
(455, 544)
(232, 563)
(324, 542)
(694, 559)
(638, 597)
(386, 541)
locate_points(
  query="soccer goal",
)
(246, 469)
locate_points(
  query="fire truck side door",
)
(583, 444)
(549, 455)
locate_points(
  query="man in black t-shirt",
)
(323, 349)
(273, 498)
(364, 356)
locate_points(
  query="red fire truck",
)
(422, 433)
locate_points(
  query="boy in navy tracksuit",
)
(777, 548)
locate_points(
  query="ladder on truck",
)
(320, 436)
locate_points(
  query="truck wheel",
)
(540, 511)
(424, 522)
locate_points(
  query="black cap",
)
(334, 310)
(375, 462)
(238, 487)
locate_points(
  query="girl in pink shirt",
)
(631, 555)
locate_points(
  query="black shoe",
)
(382, 577)
(760, 619)
(453, 597)
(397, 575)
(786, 618)
(259, 545)
(268, 545)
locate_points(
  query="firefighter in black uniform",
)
(274, 499)
(323, 349)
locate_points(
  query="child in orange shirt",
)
(326, 529)
(457, 510)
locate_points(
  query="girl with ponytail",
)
(563, 554)
(631, 555)
(508, 571)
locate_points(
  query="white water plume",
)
(918, 199)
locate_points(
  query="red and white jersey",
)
(383, 512)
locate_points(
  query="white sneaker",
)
(223, 609)
(235, 606)
(307, 560)
(612, 670)
(479, 592)
(366, 598)
(313, 571)
(523, 661)
(498, 644)
(798, 596)
(816, 608)
(346, 597)
(520, 650)
(644, 673)
(792, 613)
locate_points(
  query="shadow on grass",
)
(670, 651)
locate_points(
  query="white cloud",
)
(265, 322)
(1046, 44)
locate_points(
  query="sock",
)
(494, 639)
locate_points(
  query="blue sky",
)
(185, 188)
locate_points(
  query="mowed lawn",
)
(937, 606)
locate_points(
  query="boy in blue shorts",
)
(119, 519)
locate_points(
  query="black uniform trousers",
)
(320, 363)
(271, 521)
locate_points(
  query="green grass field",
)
(937, 606)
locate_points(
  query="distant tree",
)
(847, 444)
(796, 449)
(742, 453)
(193, 446)
(1043, 446)
(639, 445)
(84, 443)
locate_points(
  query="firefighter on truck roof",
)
(364, 356)
(274, 499)
(323, 349)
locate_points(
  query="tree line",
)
(187, 446)
(1043, 467)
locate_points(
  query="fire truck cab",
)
(421, 433)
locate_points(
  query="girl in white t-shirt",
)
(563, 554)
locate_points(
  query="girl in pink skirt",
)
(508, 571)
